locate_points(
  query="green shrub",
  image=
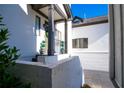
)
(8, 56)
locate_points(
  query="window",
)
(80, 43)
(58, 41)
(37, 25)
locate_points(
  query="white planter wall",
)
(66, 73)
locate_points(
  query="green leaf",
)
(8, 56)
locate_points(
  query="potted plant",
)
(42, 47)
(62, 47)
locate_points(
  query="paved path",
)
(97, 79)
(96, 69)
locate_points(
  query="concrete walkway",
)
(96, 68)
(97, 79)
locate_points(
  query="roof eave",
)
(105, 20)
(68, 11)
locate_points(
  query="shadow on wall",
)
(81, 70)
(73, 76)
(99, 34)
(20, 21)
(93, 32)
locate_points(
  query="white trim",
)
(104, 52)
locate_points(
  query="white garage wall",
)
(98, 37)
(20, 20)
(96, 56)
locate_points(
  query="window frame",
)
(37, 24)
(80, 43)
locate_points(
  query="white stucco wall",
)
(20, 20)
(98, 37)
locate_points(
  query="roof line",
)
(92, 21)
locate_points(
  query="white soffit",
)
(45, 11)
(62, 8)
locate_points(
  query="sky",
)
(89, 10)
